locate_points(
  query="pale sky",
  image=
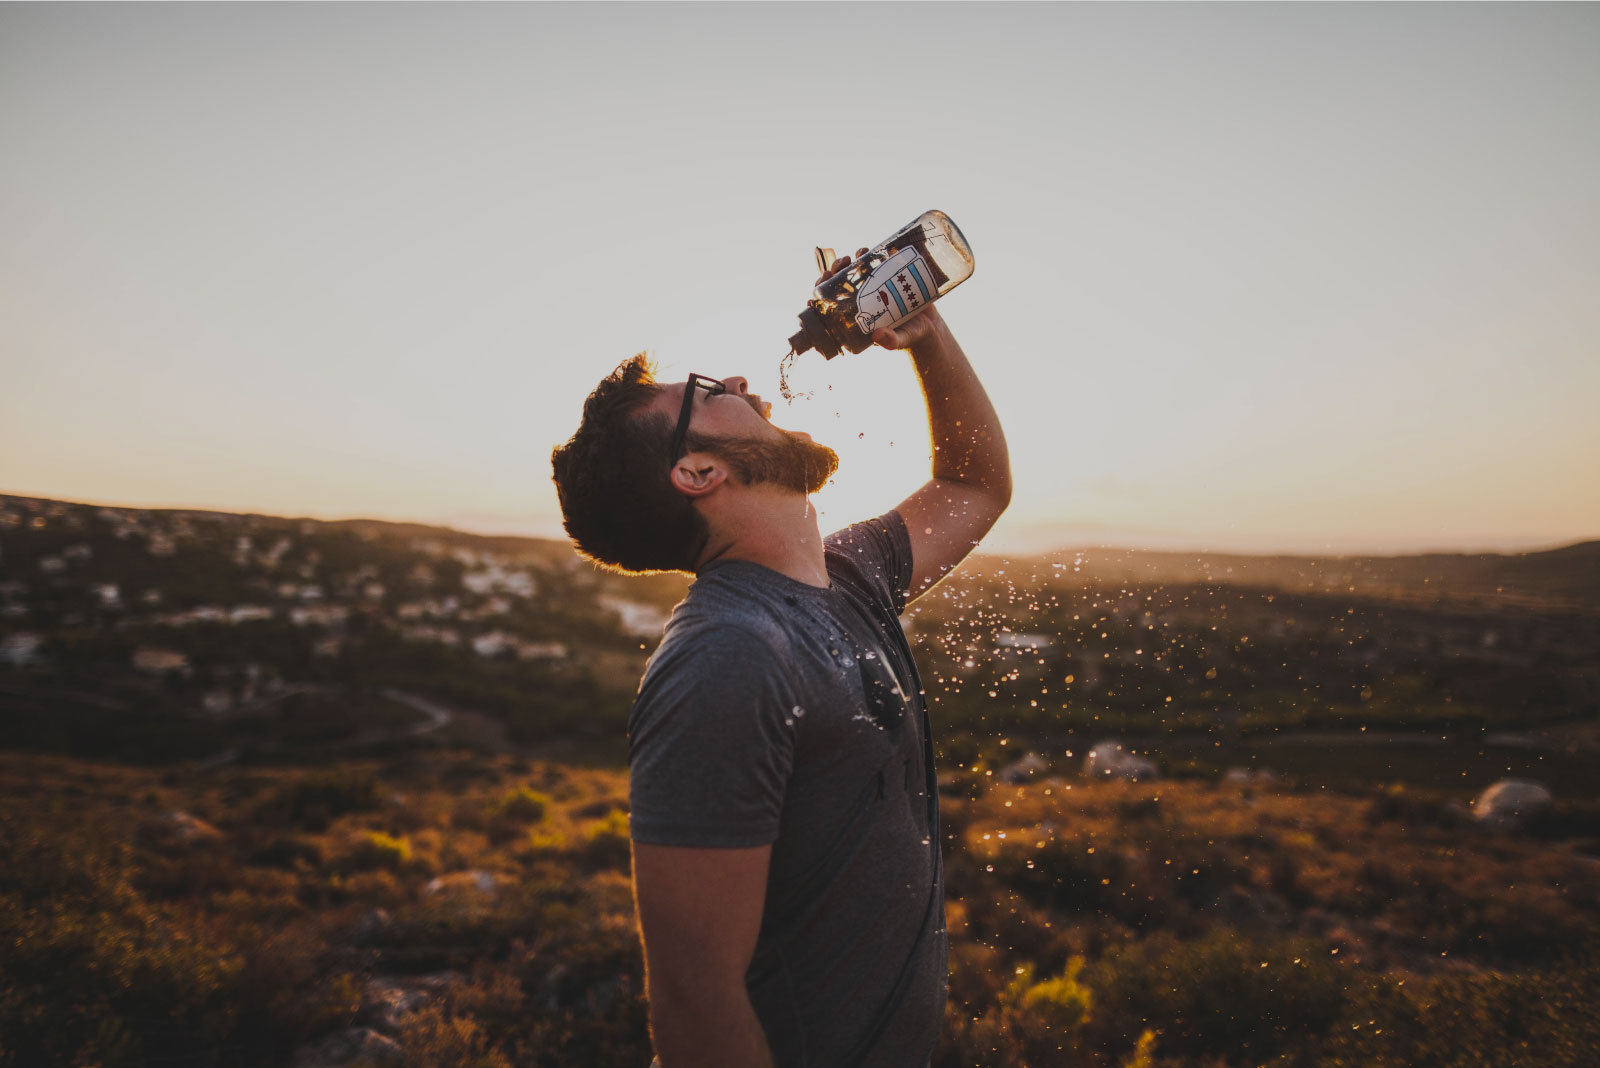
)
(1257, 277)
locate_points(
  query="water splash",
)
(786, 365)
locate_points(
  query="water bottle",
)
(887, 285)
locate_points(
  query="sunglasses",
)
(713, 387)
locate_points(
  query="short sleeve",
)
(880, 550)
(710, 742)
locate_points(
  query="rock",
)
(478, 883)
(1507, 804)
(360, 1045)
(374, 926)
(1023, 770)
(180, 829)
(388, 999)
(1110, 760)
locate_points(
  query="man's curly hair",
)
(617, 502)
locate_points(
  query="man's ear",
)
(697, 474)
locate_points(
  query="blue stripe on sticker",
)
(927, 294)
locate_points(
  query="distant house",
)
(52, 565)
(640, 620)
(81, 551)
(160, 544)
(495, 578)
(248, 613)
(154, 661)
(217, 702)
(492, 644)
(541, 650)
(443, 635)
(320, 615)
(20, 649)
(1013, 643)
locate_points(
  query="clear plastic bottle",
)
(889, 284)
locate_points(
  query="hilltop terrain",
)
(280, 792)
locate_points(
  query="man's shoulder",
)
(717, 621)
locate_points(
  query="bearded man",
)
(784, 809)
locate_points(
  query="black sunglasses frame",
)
(713, 388)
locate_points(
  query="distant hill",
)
(1565, 577)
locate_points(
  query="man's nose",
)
(736, 385)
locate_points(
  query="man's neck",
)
(773, 528)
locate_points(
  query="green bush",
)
(379, 850)
(523, 805)
(1222, 995)
(311, 802)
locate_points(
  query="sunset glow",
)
(1305, 278)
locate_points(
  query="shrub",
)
(379, 850)
(1061, 1003)
(314, 801)
(607, 844)
(523, 805)
(1220, 995)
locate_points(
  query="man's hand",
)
(922, 327)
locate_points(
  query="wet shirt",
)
(778, 713)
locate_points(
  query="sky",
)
(1299, 278)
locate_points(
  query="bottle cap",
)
(813, 334)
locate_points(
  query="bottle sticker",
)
(900, 286)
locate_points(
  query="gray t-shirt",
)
(779, 713)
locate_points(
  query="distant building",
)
(160, 544)
(20, 649)
(110, 596)
(52, 565)
(81, 551)
(1012, 643)
(154, 661)
(248, 613)
(217, 702)
(492, 644)
(640, 620)
(496, 578)
(321, 615)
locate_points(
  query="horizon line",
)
(457, 526)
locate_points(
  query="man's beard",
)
(792, 462)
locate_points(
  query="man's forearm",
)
(968, 444)
(703, 1031)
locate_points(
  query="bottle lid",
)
(813, 334)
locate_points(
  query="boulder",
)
(180, 830)
(387, 1000)
(1507, 804)
(1111, 760)
(475, 884)
(359, 1045)
(1023, 771)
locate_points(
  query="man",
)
(784, 809)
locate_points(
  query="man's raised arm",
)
(971, 483)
